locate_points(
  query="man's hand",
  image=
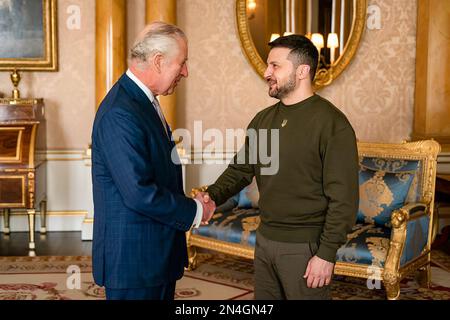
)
(318, 272)
(209, 206)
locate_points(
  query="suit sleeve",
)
(125, 152)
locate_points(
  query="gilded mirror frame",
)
(324, 76)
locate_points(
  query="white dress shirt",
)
(155, 103)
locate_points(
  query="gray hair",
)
(158, 37)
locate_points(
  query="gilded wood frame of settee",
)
(426, 152)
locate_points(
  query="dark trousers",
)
(279, 270)
(163, 292)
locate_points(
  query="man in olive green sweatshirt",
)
(310, 204)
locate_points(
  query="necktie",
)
(161, 115)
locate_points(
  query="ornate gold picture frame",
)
(28, 34)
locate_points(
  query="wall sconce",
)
(332, 43)
(274, 36)
(317, 40)
(251, 6)
(374, 18)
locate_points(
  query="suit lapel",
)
(177, 166)
(149, 110)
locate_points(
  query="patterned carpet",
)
(218, 277)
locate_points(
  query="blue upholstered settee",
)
(393, 231)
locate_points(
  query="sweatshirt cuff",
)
(213, 195)
(326, 253)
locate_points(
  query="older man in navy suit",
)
(141, 212)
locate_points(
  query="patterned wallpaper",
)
(376, 90)
(222, 89)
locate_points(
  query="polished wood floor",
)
(51, 244)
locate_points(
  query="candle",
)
(274, 36)
(332, 43)
(317, 40)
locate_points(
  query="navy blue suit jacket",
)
(140, 211)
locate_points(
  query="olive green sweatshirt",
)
(313, 196)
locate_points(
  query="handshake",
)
(209, 206)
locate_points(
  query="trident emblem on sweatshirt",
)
(283, 124)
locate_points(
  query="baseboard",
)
(55, 221)
(87, 229)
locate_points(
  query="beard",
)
(279, 92)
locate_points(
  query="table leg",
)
(31, 215)
(43, 208)
(6, 213)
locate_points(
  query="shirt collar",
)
(143, 87)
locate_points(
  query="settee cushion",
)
(367, 244)
(383, 188)
(390, 165)
(234, 225)
(397, 166)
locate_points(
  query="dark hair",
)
(303, 51)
